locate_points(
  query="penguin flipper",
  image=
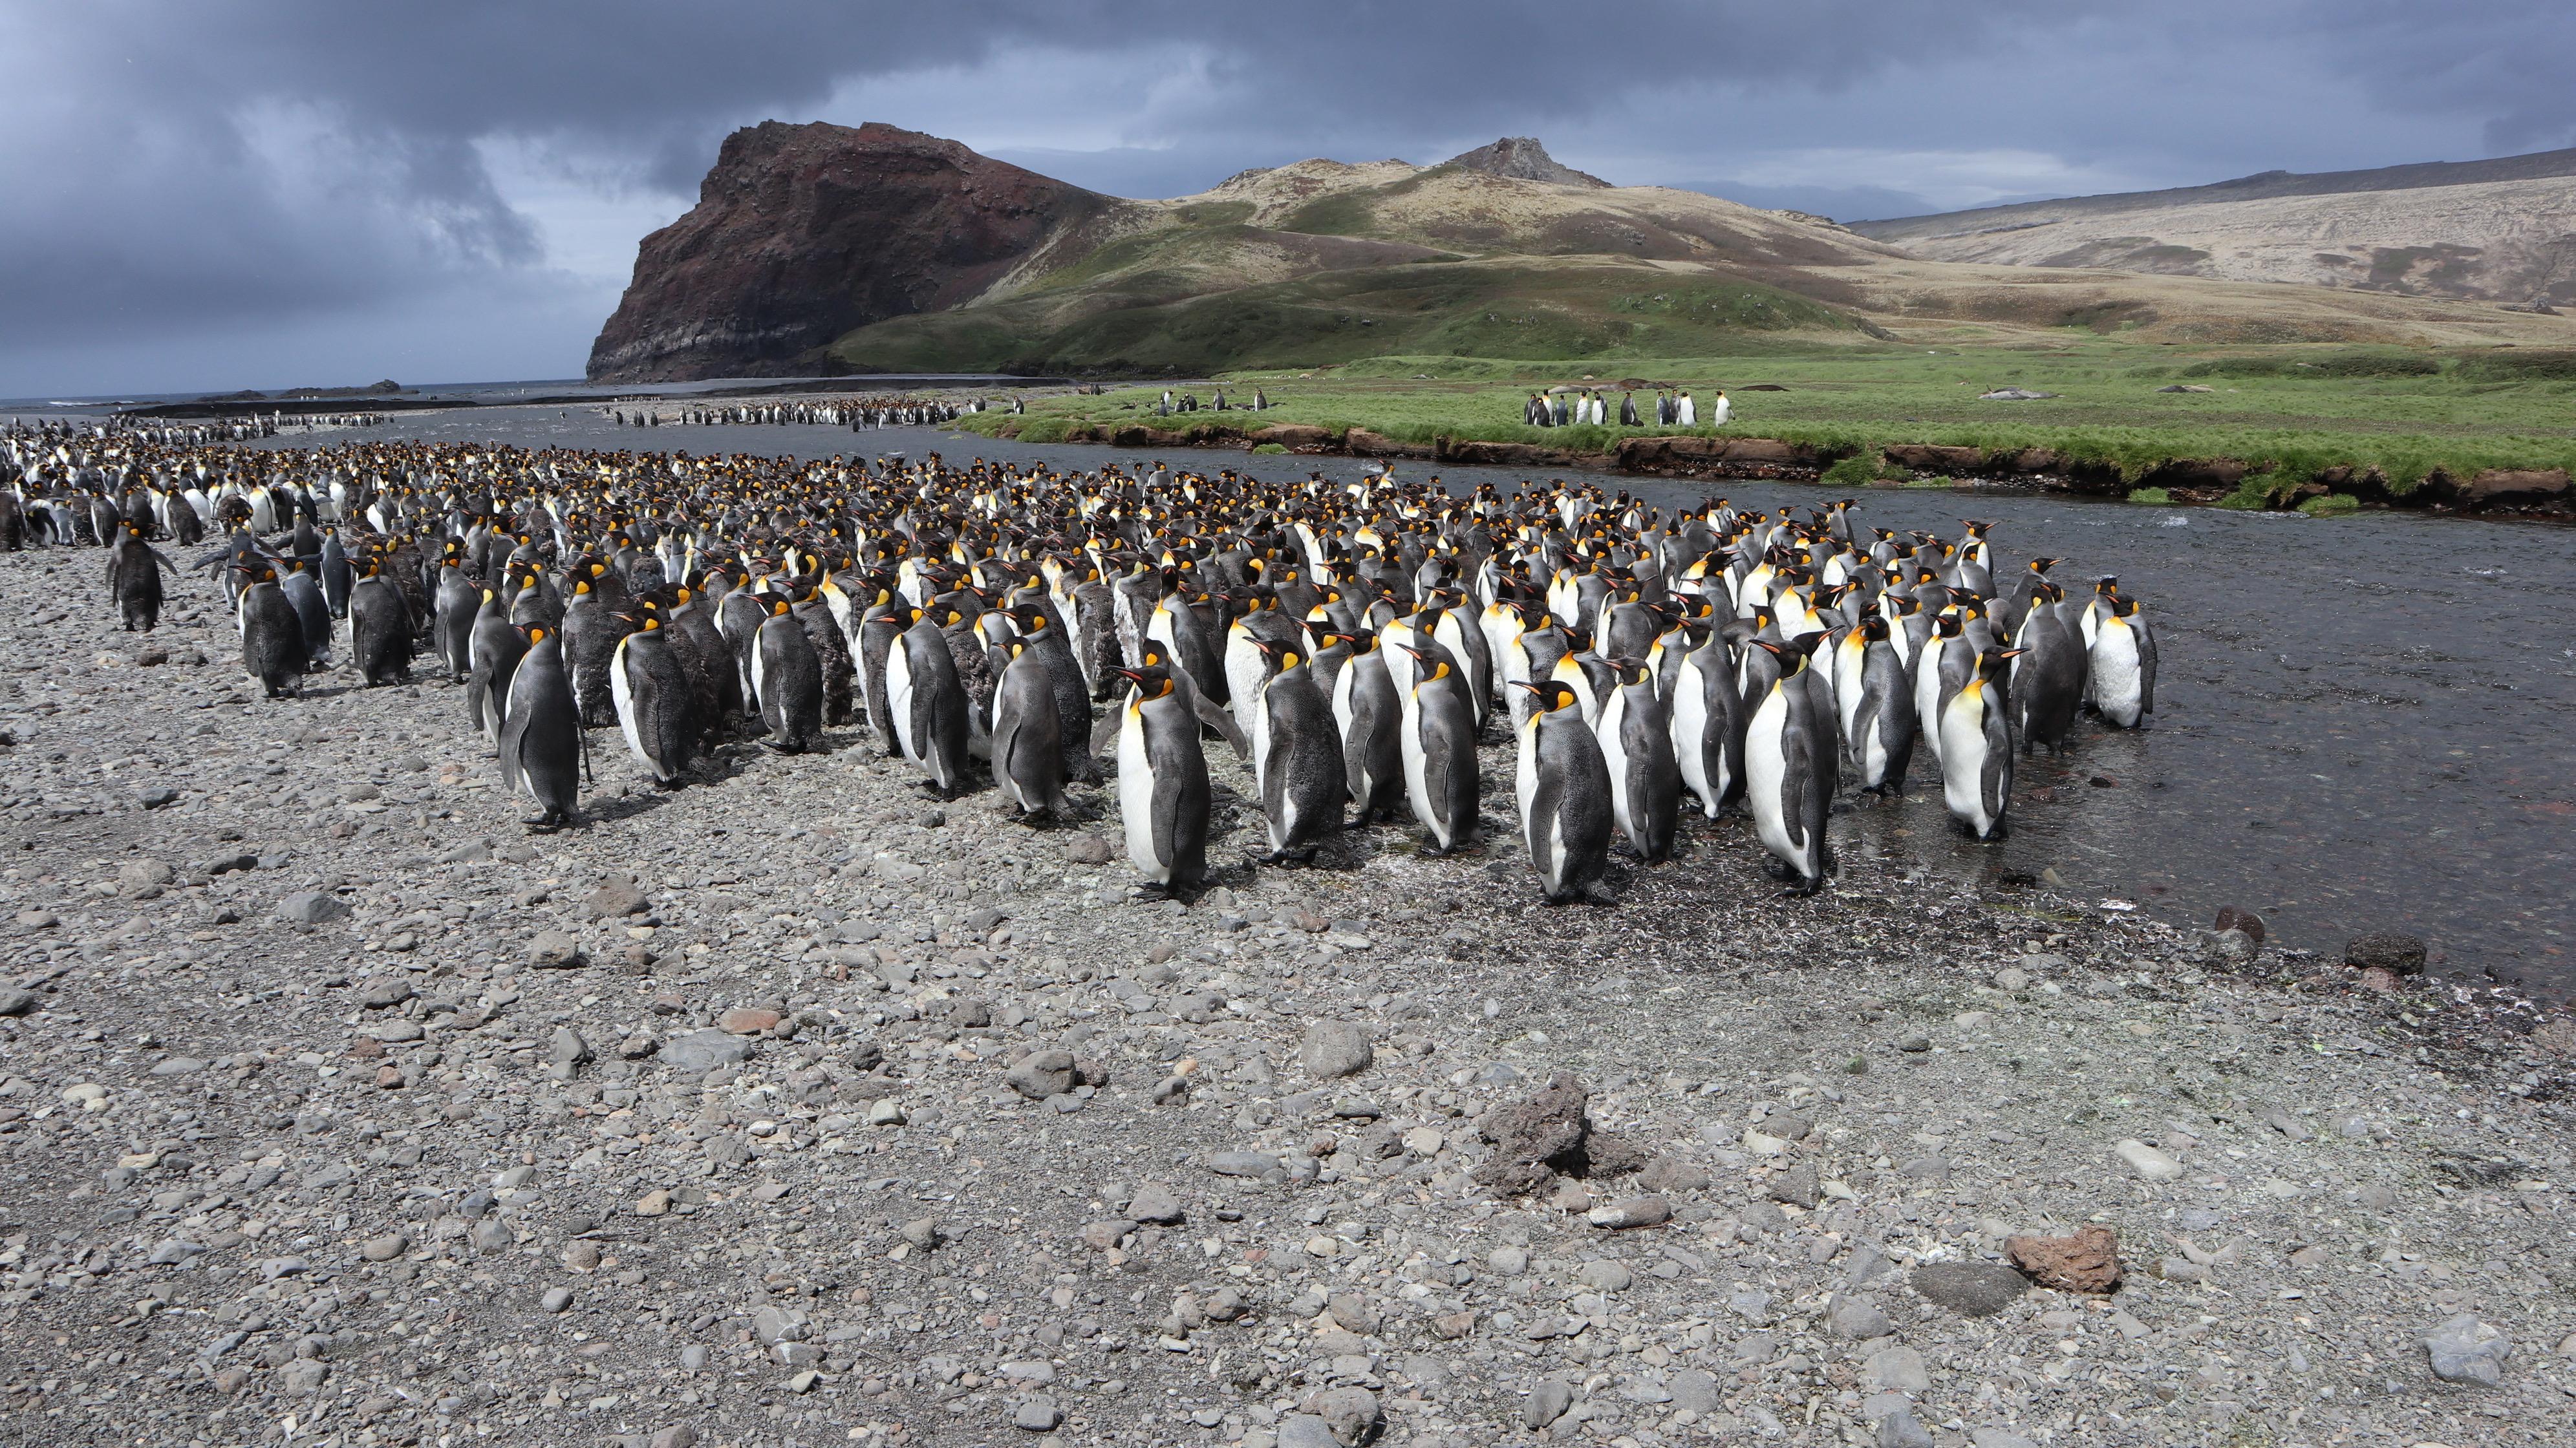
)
(1215, 717)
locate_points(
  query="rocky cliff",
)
(1522, 158)
(803, 233)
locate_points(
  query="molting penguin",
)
(927, 703)
(272, 633)
(541, 743)
(1976, 749)
(1163, 793)
(1790, 771)
(655, 710)
(1563, 785)
(1028, 743)
(1302, 774)
(1438, 739)
(787, 675)
(1637, 748)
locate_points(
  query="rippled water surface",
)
(2367, 723)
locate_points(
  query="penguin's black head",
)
(1152, 681)
(1550, 694)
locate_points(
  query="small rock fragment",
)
(1645, 1211)
(2146, 1160)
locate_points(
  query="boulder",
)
(2381, 950)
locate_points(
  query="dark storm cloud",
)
(185, 169)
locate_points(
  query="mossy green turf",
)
(2290, 412)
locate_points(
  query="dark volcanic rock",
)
(804, 232)
(1522, 158)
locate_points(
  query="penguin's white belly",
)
(899, 701)
(1963, 773)
(1136, 800)
(621, 689)
(1525, 787)
(1690, 730)
(1243, 683)
(1927, 714)
(1614, 752)
(1869, 750)
(1258, 727)
(1417, 786)
(1766, 768)
(2117, 682)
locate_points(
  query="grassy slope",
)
(2291, 412)
(1474, 309)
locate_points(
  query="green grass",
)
(2293, 413)
(1469, 314)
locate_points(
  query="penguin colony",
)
(1356, 644)
(856, 416)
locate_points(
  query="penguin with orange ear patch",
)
(787, 676)
(272, 635)
(541, 746)
(380, 631)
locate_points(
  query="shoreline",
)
(2192, 482)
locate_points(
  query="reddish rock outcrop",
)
(804, 232)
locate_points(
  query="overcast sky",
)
(199, 195)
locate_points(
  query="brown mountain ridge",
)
(821, 249)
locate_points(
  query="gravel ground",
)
(339, 1110)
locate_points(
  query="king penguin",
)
(1564, 789)
(927, 704)
(1879, 730)
(541, 743)
(1163, 793)
(1789, 770)
(787, 675)
(2124, 666)
(1708, 723)
(655, 710)
(1028, 744)
(272, 634)
(1302, 774)
(1438, 739)
(1976, 749)
(1637, 748)
(1369, 716)
(380, 629)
